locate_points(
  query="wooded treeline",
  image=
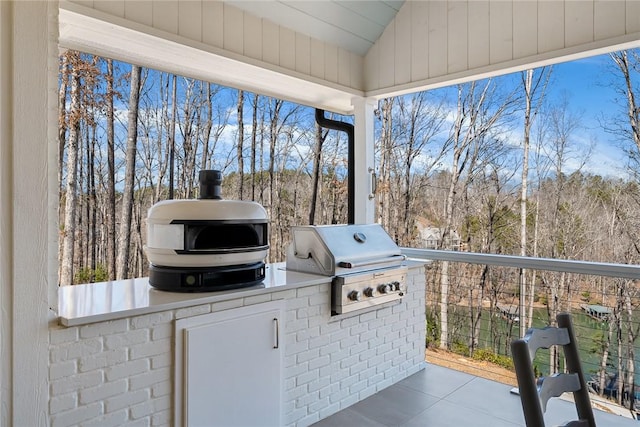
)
(129, 136)
(499, 161)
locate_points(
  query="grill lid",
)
(340, 249)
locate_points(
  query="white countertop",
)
(98, 302)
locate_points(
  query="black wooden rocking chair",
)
(534, 394)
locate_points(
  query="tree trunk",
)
(477, 317)
(261, 162)
(240, 144)
(62, 118)
(532, 285)
(619, 361)
(621, 59)
(162, 140)
(273, 139)
(449, 205)
(62, 140)
(188, 129)
(66, 266)
(206, 134)
(385, 160)
(91, 187)
(631, 338)
(317, 156)
(254, 140)
(172, 136)
(111, 174)
(127, 194)
(556, 287)
(602, 377)
(528, 82)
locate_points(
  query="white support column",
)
(28, 71)
(6, 270)
(364, 159)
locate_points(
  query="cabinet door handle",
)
(277, 332)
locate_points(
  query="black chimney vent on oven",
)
(210, 184)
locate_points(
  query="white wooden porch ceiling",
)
(328, 53)
(354, 25)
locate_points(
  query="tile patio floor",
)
(441, 397)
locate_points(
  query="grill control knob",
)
(384, 289)
(354, 296)
(395, 286)
(368, 292)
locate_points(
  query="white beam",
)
(364, 159)
(91, 31)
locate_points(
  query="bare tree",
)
(274, 106)
(474, 118)
(66, 265)
(386, 148)
(534, 91)
(62, 140)
(419, 120)
(92, 211)
(254, 143)
(561, 147)
(188, 132)
(111, 174)
(62, 116)
(124, 241)
(172, 134)
(626, 62)
(158, 152)
(317, 156)
(240, 144)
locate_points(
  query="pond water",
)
(590, 334)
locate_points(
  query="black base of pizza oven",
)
(206, 279)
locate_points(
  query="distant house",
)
(431, 237)
(597, 312)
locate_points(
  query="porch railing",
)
(489, 300)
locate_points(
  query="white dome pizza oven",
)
(206, 244)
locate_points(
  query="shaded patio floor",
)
(441, 397)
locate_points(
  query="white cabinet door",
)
(232, 367)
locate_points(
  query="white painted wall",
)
(5, 213)
(433, 43)
(28, 69)
(428, 44)
(220, 28)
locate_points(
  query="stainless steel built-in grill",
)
(365, 263)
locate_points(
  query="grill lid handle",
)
(372, 261)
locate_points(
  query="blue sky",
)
(587, 85)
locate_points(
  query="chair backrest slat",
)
(556, 384)
(534, 394)
(545, 338)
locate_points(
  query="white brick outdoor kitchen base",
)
(120, 372)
